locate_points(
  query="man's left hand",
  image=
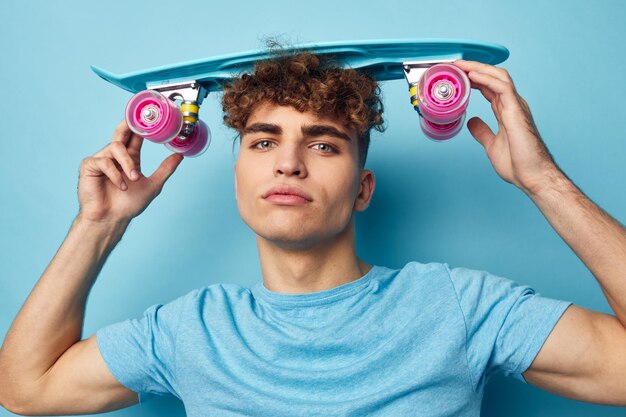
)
(517, 152)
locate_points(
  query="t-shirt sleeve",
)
(140, 352)
(507, 323)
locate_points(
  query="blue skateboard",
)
(167, 99)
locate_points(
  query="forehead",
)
(289, 116)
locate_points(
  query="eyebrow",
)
(307, 130)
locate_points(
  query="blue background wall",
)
(433, 202)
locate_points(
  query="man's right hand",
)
(45, 367)
(108, 191)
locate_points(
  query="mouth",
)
(285, 194)
(287, 199)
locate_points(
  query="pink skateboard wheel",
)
(443, 93)
(441, 132)
(195, 144)
(153, 116)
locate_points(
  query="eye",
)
(259, 142)
(326, 148)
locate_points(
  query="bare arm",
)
(597, 239)
(45, 367)
(584, 357)
(50, 322)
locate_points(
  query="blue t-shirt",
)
(421, 340)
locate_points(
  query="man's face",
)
(318, 156)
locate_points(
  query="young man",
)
(324, 333)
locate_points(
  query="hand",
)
(109, 191)
(517, 152)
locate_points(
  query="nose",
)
(289, 161)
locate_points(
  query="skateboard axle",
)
(443, 91)
(150, 114)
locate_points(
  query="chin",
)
(289, 235)
(284, 233)
(295, 230)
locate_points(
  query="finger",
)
(484, 90)
(467, 66)
(121, 133)
(480, 78)
(120, 154)
(95, 167)
(134, 146)
(166, 169)
(490, 95)
(481, 132)
(503, 89)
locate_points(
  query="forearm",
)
(51, 319)
(596, 238)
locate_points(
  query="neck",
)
(321, 266)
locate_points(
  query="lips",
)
(284, 189)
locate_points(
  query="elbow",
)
(14, 401)
(19, 408)
(8, 403)
(4, 400)
(13, 410)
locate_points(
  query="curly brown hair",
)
(307, 82)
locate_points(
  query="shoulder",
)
(214, 291)
(215, 295)
(224, 290)
(467, 283)
(414, 268)
(219, 295)
(417, 272)
(416, 279)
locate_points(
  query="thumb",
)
(481, 132)
(166, 169)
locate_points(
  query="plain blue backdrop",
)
(439, 202)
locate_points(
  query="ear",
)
(367, 185)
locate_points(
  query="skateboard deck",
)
(381, 59)
(439, 91)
